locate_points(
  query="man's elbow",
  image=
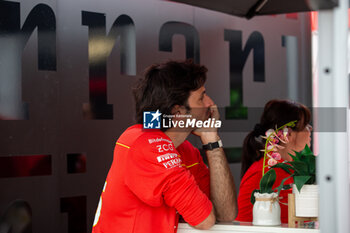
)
(228, 216)
(207, 223)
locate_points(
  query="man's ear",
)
(178, 110)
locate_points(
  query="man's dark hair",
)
(166, 85)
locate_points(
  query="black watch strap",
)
(212, 145)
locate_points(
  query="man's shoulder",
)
(137, 138)
(151, 138)
(186, 146)
(135, 132)
(152, 147)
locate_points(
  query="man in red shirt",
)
(156, 174)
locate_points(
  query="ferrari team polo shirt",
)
(149, 182)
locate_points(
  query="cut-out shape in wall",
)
(100, 47)
(76, 209)
(25, 165)
(13, 40)
(171, 28)
(76, 163)
(238, 58)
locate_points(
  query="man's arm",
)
(208, 222)
(222, 187)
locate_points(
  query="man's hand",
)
(209, 134)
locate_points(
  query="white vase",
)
(266, 210)
(306, 201)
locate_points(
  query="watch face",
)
(220, 143)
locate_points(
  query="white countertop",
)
(243, 228)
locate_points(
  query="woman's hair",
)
(276, 114)
(166, 85)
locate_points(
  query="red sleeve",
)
(202, 175)
(157, 177)
(193, 161)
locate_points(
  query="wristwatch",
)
(213, 145)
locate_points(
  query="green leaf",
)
(252, 197)
(284, 166)
(293, 157)
(300, 168)
(267, 181)
(281, 186)
(307, 151)
(298, 156)
(311, 162)
(300, 181)
(312, 180)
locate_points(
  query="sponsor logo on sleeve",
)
(170, 160)
(165, 147)
(153, 140)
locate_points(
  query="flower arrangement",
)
(302, 168)
(273, 137)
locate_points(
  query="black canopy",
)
(250, 8)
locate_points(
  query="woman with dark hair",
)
(276, 114)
